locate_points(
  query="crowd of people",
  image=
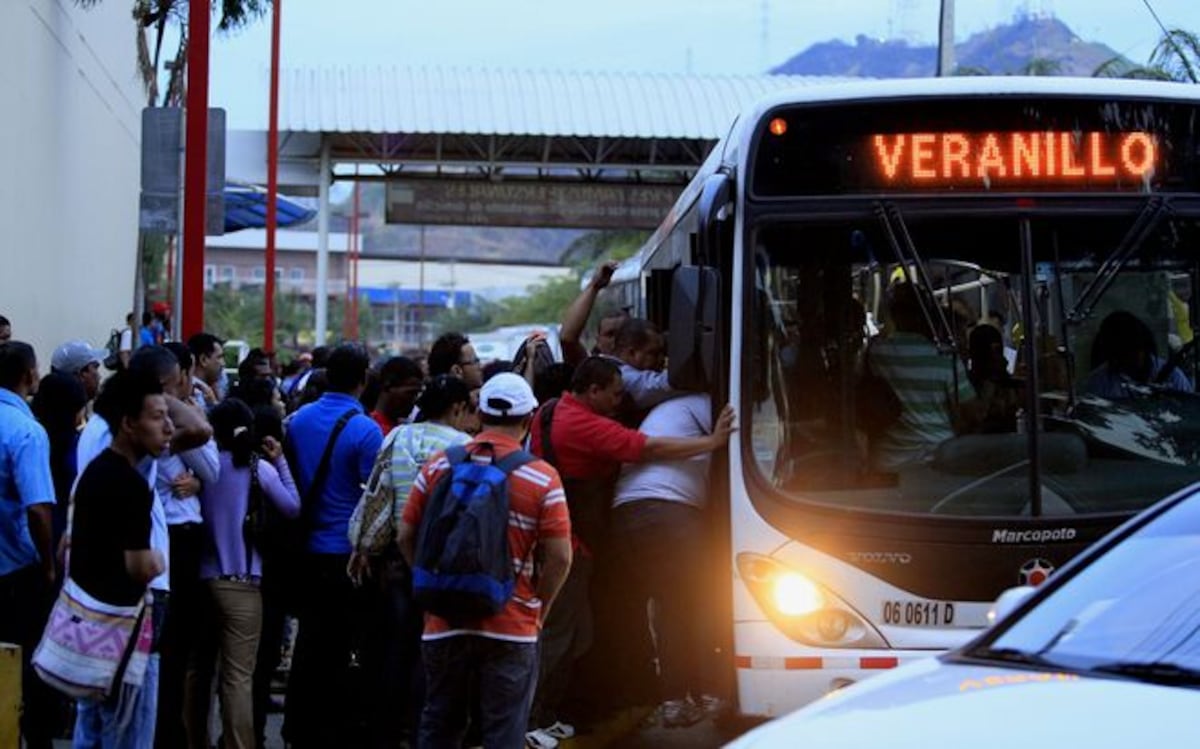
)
(332, 521)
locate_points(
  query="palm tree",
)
(1042, 66)
(157, 15)
(1178, 53)
(1176, 57)
(1119, 67)
(154, 16)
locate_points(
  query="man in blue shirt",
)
(321, 712)
(27, 571)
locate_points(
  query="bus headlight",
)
(803, 609)
(795, 595)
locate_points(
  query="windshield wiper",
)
(906, 256)
(1152, 213)
(1155, 673)
(1013, 655)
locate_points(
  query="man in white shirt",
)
(659, 538)
(126, 344)
(180, 476)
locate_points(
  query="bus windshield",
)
(889, 370)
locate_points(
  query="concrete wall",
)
(69, 136)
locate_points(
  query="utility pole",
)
(945, 65)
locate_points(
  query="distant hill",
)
(1004, 50)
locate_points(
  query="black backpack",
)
(462, 569)
(112, 360)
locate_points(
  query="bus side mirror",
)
(693, 353)
(715, 216)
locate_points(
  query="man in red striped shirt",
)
(499, 652)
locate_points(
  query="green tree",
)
(154, 17)
(1176, 57)
(967, 70)
(1178, 54)
(237, 314)
(546, 302)
(1042, 66)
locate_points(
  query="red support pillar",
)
(272, 185)
(195, 196)
(355, 238)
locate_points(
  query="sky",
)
(660, 36)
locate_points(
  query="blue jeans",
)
(503, 675)
(125, 722)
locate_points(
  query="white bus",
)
(1041, 206)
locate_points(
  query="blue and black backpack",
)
(462, 570)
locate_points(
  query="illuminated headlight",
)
(795, 595)
(803, 609)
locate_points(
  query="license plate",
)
(914, 613)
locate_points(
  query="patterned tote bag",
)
(89, 648)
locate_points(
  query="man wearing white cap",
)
(79, 359)
(498, 653)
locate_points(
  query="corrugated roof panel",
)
(506, 102)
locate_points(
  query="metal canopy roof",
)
(548, 126)
(383, 100)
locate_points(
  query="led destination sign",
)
(1024, 158)
(965, 146)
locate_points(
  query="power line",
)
(1169, 38)
(1157, 20)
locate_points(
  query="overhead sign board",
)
(564, 205)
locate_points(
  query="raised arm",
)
(576, 317)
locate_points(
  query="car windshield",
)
(1135, 611)
(888, 370)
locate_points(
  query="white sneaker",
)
(539, 739)
(560, 730)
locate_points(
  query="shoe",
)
(559, 730)
(539, 739)
(710, 704)
(681, 713)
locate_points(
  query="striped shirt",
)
(927, 385)
(537, 510)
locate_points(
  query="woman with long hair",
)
(231, 568)
(60, 407)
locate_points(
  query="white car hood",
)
(993, 707)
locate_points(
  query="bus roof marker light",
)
(777, 126)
